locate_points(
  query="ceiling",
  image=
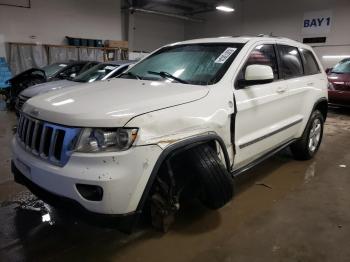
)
(180, 7)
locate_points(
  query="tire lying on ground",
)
(215, 182)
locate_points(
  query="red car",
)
(339, 83)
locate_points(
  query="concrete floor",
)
(285, 210)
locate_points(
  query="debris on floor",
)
(263, 184)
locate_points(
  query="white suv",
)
(182, 122)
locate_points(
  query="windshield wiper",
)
(132, 75)
(167, 75)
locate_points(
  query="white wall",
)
(149, 32)
(49, 21)
(282, 18)
(2, 46)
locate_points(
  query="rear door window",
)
(310, 64)
(290, 61)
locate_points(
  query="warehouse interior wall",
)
(281, 18)
(2, 46)
(148, 32)
(49, 21)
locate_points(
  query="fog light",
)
(90, 192)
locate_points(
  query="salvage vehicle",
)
(47, 73)
(98, 72)
(339, 84)
(181, 123)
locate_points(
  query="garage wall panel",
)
(282, 18)
(149, 32)
(49, 21)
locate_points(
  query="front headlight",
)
(93, 140)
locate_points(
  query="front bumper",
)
(339, 97)
(122, 176)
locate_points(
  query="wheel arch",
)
(178, 148)
(321, 105)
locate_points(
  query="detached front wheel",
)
(216, 186)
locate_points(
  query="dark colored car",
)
(98, 72)
(53, 72)
(339, 83)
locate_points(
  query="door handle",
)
(280, 89)
(310, 84)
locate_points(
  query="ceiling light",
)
(335, 56)
(224, 8)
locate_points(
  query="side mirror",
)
(257, 75)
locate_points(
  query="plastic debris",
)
(263, 184)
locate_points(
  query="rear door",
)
(298, 70)
(261, 109)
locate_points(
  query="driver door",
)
(261, 110)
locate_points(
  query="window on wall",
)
(310, 64)
(291, 64)
(262, 55)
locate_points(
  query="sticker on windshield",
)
(225, 55)
(110, 68)
(62, 65)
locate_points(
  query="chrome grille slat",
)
(50, 142)
(42, 142)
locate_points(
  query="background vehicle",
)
(185, 120)
(51, 72)
(100, 71)
(339, 83)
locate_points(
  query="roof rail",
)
(270, 35)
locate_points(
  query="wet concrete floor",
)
(284, 210)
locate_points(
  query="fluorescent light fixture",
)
(335, 56)
(224, 8)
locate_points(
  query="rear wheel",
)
(307, 146)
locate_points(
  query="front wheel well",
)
(176, 150)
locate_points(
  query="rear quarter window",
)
(310, 64)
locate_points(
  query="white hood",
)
(110, 103)
(47, 87)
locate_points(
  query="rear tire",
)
(307, 146)
(216, 183)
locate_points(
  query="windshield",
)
(95, 73)
(198, 64)
(343, 67)
(51, 70)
